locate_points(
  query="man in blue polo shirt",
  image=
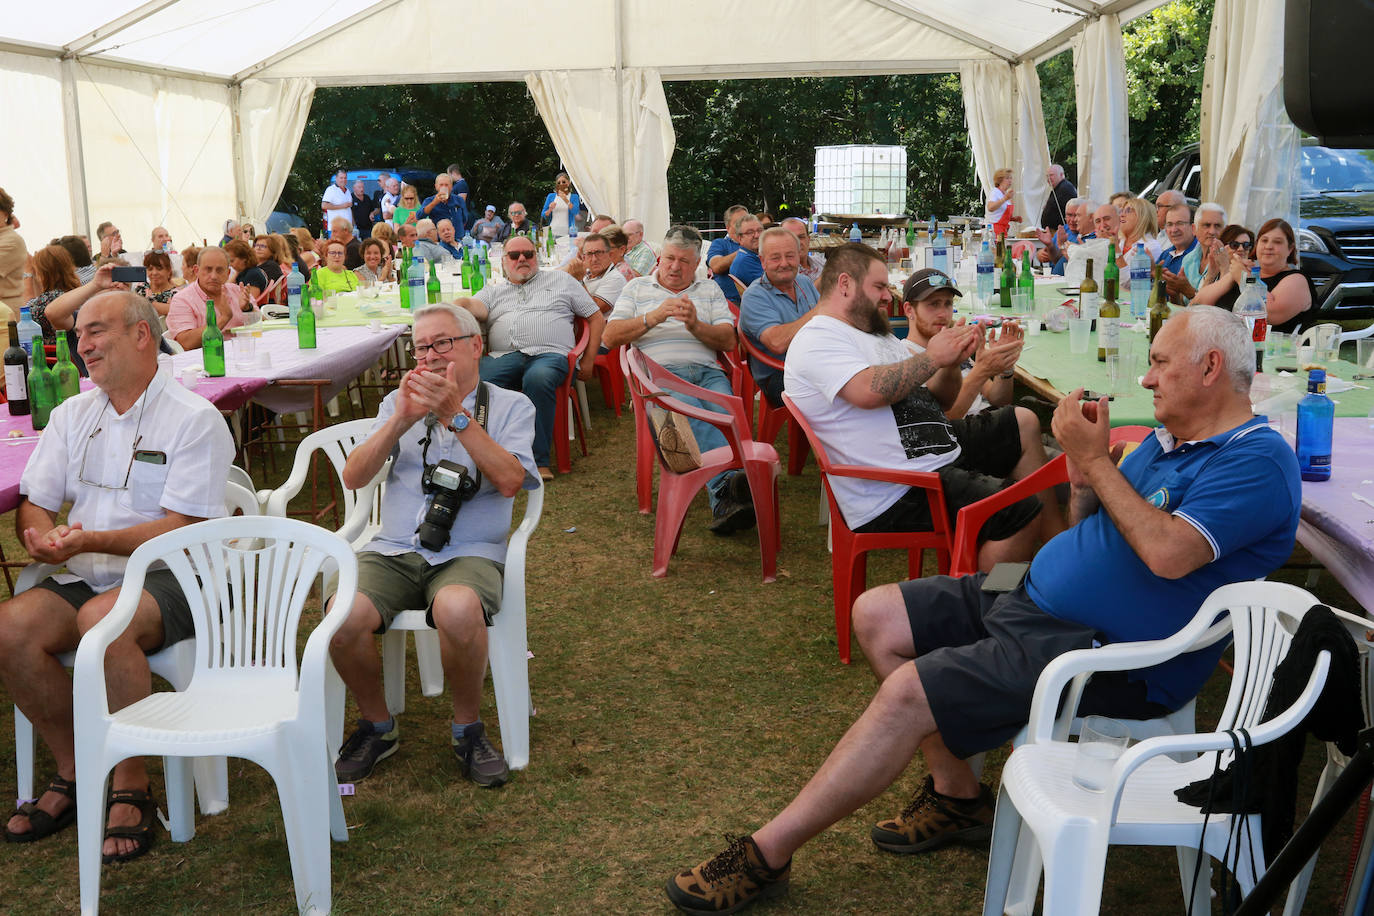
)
(775, 307)
(445, 204)
(1211, 498)
(746, 267)
(1178, 227)
(722, 253)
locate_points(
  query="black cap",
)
(926, 281)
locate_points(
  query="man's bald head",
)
(1106, 221)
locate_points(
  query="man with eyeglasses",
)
(1208, 222)
(684, 324)
(600, 278)
(440, 412)
(135, 457)
(1178, 226)
(746, 267)
(530, 331)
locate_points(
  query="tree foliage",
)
(752, 141)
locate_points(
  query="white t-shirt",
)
(1002, 200)
(558, 219)
(911, 435)
(608, 286)
(86, 456)
(337, 195)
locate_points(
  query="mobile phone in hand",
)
(129, 274)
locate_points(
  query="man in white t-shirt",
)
(863, 392)
(337, 201)
(136, 456)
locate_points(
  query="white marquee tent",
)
(184, 112)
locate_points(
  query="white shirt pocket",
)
(146, 481)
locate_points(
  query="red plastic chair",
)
(607, 368)
(273, 291)
(971, 519)
(676, 491)
(849, 550)
(564, 402)
(644, 441)
(772, 418)
(741, 382)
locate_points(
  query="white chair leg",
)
(180, 797)
(332, 408)
(333, 710)
(1074, 865)
(394, 670)
(1297, 891)
(90, 828)
(212, 784)
(428, 662)
(23, 754)
(305, 808)
(1196, 898)
(1025, 877)
(510, 679)
(1006, 832)
(582, 400)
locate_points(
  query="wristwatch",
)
(460, 422)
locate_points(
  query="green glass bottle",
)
(549, 243)
(432, 286)
(1026, 282)
(43, 394)
(465, 275)
(1008, 279)
(307, 294)
(305, 328)
(1111, 274)
(401, 287)
(1159, 303)
(67, 377)
(478, 281)
(212, 340)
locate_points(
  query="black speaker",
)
(1327, 88)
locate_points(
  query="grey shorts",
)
(161, 584)
(980, 654)
(407, 581)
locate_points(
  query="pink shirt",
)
(186, 312)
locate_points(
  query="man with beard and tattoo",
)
(864, 394)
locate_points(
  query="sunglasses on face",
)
(520, 255)
(1237, 245)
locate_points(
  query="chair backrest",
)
(657, 384)
(739, 284)
(172, 342)
(238, 498)
(336, 442)
(754, 353)
(246, 602)
(272, 289)
(817, 446)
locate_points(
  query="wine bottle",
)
(17, 374)
(1089, 303)
(1108, 325)
(1159, 304)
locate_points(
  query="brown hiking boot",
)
(931, 820)
(729, 882)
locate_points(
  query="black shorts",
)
(990, 444)
(161, 584)
(980, 655)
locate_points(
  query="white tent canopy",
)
(185, 112)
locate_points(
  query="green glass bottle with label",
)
(68, 378)
(212, 341)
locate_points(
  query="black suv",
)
(1335, 230)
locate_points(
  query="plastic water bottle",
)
(1251, 306)
(294, 281)
(985, 274)
(1316, 417)
(1139, 265)
(29, 331)
(415, 282)
(939, 252)
(854, 234)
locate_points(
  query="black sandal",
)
(41, 823)
(141, 833)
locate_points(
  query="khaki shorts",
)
(407, 582)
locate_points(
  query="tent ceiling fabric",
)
(719, 37)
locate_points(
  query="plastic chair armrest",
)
(89, 700)
(926, 480)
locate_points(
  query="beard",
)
(868, 317)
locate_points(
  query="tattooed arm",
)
(879, 386)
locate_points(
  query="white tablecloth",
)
(1336, 527)
(341, 355)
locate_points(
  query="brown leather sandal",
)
(141, 833)
(41, 823)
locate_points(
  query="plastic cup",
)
(1032, 326)
(1100, 745)
(1080, 334)
(375, 326)
(1364, 352)
(1022, 303)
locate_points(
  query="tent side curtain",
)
(1250, 149)
(1006, 129)
(579, 109)
(1099, 76)
(271, 120)
(34, 163)
(157, 153)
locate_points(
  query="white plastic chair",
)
(1039, 803)
(248, 697)
(507, 645)
(173, 664)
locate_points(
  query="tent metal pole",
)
(115, 26)
(236, 138)
(622, 142)
(76, 158)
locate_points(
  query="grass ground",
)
(669, 712)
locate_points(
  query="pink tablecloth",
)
(1336, 527)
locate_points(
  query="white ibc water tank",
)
(860, 179)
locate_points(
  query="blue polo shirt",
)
(746, 267)
(1172, 261)
(765, 306)
(719, 247)
(1240, 489)
(451, 211)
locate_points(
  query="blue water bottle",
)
(1316, 419)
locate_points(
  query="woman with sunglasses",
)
(1290, 291)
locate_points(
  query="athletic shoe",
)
(931, 820)
(363, 749)
(729, 882)
(478, 760)
(730, 516)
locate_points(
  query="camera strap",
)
(479, 413)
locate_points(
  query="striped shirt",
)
(534, 317)
(641, 258)
(670, 343)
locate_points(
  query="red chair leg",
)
(644, 462)
(847, 583)
(798, 447)
(763, 487)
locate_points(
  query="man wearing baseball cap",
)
(489, 228)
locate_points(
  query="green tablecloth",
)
(354, 312)
(1046, 356)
